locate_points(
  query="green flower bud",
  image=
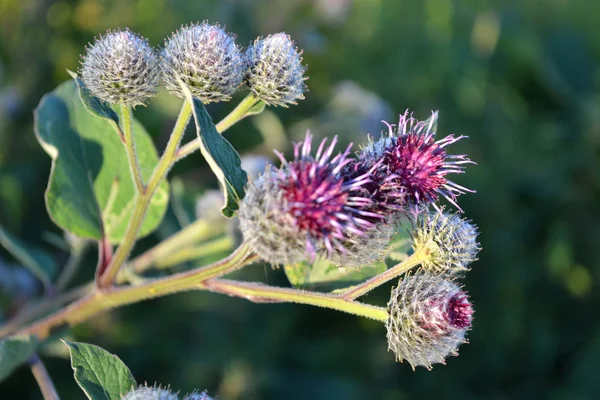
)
(276, 74)
(206, 59)
(121, 67)
(428, 319)
(451, 241)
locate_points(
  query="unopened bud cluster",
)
(122, 68)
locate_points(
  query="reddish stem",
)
(105, 254)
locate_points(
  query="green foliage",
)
(323, 276)
(14, 351)
(90, 191)
(37, 261)
(101, 375)
(223, 159)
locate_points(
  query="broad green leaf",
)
(94, 104)
(90, 192)
(221, 156)
(37, 261)
(14, 351)
(101, 375)
(322, 275)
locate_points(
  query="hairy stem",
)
(43, 378)
(215, 246)
(143, 199)
(415, 259)
(104, 300)
(238, 113)
(260, 293)
(188, 236)
(134, 164)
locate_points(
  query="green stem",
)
(42, 378)
(113, 297)
(415, 259)
(143, 199)
(215, 246)
(259, 293)
(188, 236)
(238, 113)
(134, 164)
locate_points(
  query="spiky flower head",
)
(305, 207)
(428, 319)
(198, 396)
(206, 59)
(150, 393)
(121, 67)
(412, 165)
(451, 242)
(275, 71)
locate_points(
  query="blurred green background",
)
(520, 78)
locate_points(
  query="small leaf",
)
(37, 261)
(325, 276)
(94, 104)
(101, 375)
(90, 192)
(14, 351)
(256, 109)
(221, 156)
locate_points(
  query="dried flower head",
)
(121, 67)
(275, 72)
(450, 240)
(150, 393)
(413, 165)
(206, 59)
(305, 207)
(428, 319)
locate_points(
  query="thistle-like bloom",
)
(307, 206)
(121, 67)
(206, 59)
(275, 72)
(150, 393)
(428, 319)
(450, 240)
(413, 165)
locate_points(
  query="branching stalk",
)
(415, 259)
(98, 301)
(143, 199)
(261, 293)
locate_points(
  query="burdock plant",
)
(319, 212)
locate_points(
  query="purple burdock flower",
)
(413, 166)
(428, 319)
(306, 207)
